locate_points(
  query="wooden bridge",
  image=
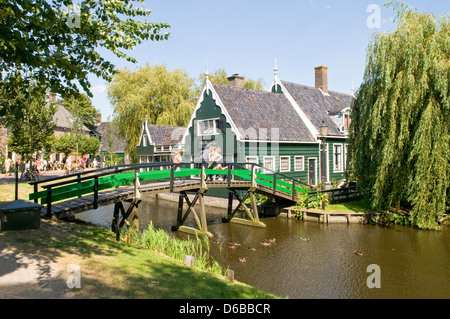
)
(66, 196)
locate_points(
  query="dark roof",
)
(317, 106)
(120, 143)
(252, 111)
(64, 119)
(166, 135)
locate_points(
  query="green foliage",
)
(400, 119)
(65, 143)
(81, 107)
(89, 145)
(29, 122)
(152, 92)
(62, 48)
(312, 200)
(158, 240)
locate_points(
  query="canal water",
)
(312, 260)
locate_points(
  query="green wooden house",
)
(158, 143)
(280, 129)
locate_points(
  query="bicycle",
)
(29, 175)
(74, 170)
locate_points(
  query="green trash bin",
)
(20, 215)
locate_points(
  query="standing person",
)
(94, 163)
(39, 165)
(214, 158)
(177, 160)
(205, 156)
(88, 162)
(7, 166)
(69, 164)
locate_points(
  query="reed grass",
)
(158, 240)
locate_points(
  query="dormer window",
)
(208, 127)
(347, 121)
(144, 140)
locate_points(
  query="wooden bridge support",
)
(252, 214)
(129, 217)
(200, 220)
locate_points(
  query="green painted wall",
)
(145, 151)
(226, 139)
(334, 174)
(284, 149)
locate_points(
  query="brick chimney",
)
(321, 78)
(51, 97)
(236, 81)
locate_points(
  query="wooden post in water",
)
(137, 185)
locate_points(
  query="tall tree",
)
(30, 127)
(153, 92)
(400, 119)
(65, 143)
(58, 42)
(81, 107)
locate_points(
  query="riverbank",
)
(36, 264)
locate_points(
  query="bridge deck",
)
(81, 204)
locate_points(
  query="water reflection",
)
(413, 263)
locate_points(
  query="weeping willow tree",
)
(401, 117)
(152, 92)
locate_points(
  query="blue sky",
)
(245, 37)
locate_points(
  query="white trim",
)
(341, 170)
(145, 128)
(214, 126)
(303, 163)
(326, 94)
(315, 170)
(289, 163)
(280, 142)
(252, 156)
(264, 164)
(209, 87)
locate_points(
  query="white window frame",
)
(295, 164)
(255, 160)
(215, 129)
(339, 169)
(289, 163)
(144, 140)
(271, 168)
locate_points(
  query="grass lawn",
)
(359, 206)
(7, 191)
(116, 270)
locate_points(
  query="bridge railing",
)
(94, 181)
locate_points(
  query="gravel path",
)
(31, 277)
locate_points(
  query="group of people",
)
(211, 158)
(82, 163)
(41, 165)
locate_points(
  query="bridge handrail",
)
(47, 194)
(115, 169)
(272, 172)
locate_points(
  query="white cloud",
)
(98, 89)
